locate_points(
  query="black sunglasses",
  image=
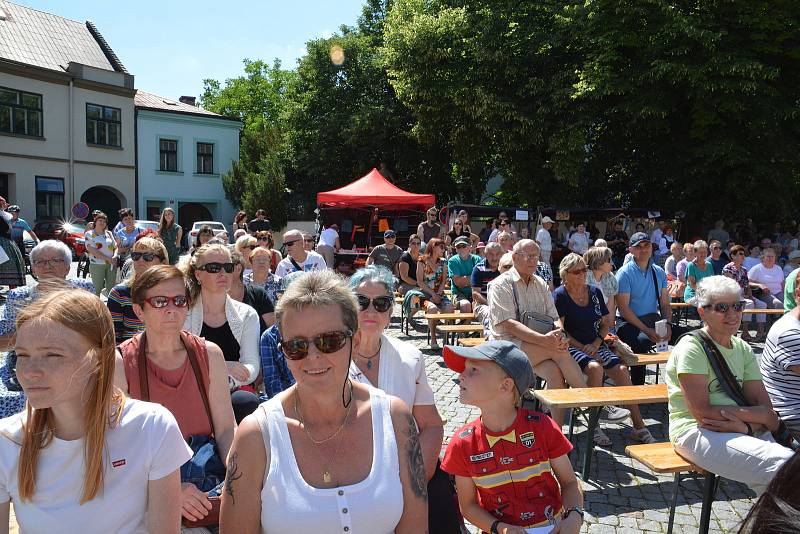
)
(326, 343)
(723, 307)
(381, 304)
(146, 256)
(290, 243)
(179, 301)
(215, 267)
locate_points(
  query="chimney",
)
(188, 100)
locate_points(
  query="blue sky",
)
(171, 46)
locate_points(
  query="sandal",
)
(642, 435)
(600, 439)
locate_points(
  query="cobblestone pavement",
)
(622, 495)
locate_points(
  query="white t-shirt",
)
(579, 242)
(313, 262)
(543, 238)
(103, 243)
(328, 237)
(772, 277)
(145, 445)
(401, 373)
(656, 236)
(781, 351)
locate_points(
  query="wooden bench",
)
(595, 399)
(454, 330)
(454, 316)
(662, 458)
(654, 358)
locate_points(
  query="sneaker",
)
(642, 435)
(614, 414)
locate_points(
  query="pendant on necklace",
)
(326, 477)
(369, 364)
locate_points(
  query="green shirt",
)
(460, 267)
(788, 291)
(688, 357)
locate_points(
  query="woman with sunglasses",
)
(251, 294)
(706, 425)
(586, 319)
(84, 458)
(265, 240)
(232, 325)
(261, 274)
(245, 245)
(204, 235)
(431, 278)
(171, 234)
(329, 454)
(162, 365)
(146, 252)
(398, 368)
(457, 231)
(735, 270)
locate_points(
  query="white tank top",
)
(290, 504)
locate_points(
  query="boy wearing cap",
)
(459, 269)
(511, 466)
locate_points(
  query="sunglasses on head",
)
(215, 267)
(381, 304)
(326, 343)
(159, 302)
(723, 307)
(146, 256)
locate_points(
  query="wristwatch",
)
(577, 509)
(493, 528)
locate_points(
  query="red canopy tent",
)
(373, 190)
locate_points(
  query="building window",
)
(154, 209)
(205, 158)
(169, 155)
(20, 112)
(49, 197)
(103, 125)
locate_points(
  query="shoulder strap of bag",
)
(141, 363)
(296, 266)
(516, 299)
(726, 378)
(190, 347)
(655, 286)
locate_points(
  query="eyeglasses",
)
(527, 257)
(179, 301)
(381, 304)
(309, 240)
(503, 223)
(462, 245)
(326, 343)
(578, 271)
(290, 243)
(55, 262)
(207, 233)
(214, 267)
(146, 256)
(723, 307)
(265, 238)
(740, 253)
(418, 243)
(251, 247)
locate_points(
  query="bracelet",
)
(493, 528)
(749, 428)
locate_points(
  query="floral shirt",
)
(737, 273)
(271, 285)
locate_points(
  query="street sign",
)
(80, 210)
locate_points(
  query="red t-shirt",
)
(511, 469)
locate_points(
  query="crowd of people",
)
(270, 381)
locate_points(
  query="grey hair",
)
(595, 257)
(503, 235)
(492, 245)
(506, 261)
(377, 274)
(316, 289)
(54, 245)
(700, 244)
(600, 243)
(715, 287)
(569, 261)
(519, 245)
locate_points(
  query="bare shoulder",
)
(249, 440)
(214, 352)
(120, 380)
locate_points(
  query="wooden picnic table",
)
(655, 358)
(595, 399)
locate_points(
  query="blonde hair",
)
(316, 289)
(84, 313)
(148, 244)
(191, 269)
(245, 241)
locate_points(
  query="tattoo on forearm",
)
(416, 467)
(231, 476)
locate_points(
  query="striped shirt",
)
(782, 351)
(126, 324)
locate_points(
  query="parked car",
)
(47, 228)
(148, 225)
(72, 234)
(218, 228)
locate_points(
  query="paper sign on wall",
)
(521, 215)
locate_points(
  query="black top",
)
(258, 226)
(412, 265)
(453, 235)
(222, 336)
(256, 297)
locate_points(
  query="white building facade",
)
(182, 153)
(66, 117)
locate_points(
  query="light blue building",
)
(182, 151)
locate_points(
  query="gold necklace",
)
(326, 475)
(369, 358)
